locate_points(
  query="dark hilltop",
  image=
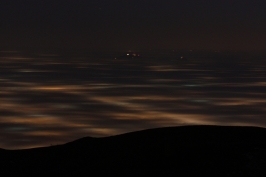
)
(172, 151)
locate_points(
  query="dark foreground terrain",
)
(174, 151)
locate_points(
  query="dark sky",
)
(133, 24)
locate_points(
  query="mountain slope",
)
(188, 150)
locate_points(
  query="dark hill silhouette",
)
(172, 151)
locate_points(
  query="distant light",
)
(127, 53)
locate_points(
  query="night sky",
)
(97, 25)
(64, 72)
